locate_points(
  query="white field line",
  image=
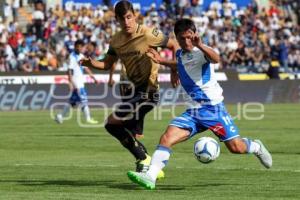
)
(245, 168)
(102, 165)
(177, 167)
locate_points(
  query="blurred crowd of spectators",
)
(250, 39)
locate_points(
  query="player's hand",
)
(88, 62)
(85, 62)
(174, 79)
(154, 55)
(196, 40)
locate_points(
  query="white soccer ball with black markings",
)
(206, 149)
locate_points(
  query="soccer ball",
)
(206, 149)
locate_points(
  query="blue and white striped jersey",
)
(198, 79)
(78, 70)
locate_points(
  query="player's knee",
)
(112, 129)
(164, 140)
(167, 139)
(109, 127)
(115, 131)
(112, 119)
(237, 147)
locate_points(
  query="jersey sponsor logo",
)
(130, 53)
(217, 128)
(26, 97)
(232, 129)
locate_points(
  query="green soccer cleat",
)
(263, 155)
(91, 121)
(142, 179)
(161, 175)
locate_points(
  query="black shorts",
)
(133, 111)
(126, 91)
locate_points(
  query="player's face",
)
(127, 22)
(79, 48)
(185, 40)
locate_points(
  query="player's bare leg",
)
(245, 145)
(160, 157)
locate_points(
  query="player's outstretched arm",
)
(111, 81)
(174, 46)
(71, 84)
(89, 62)
(105, 64)
(154, 55)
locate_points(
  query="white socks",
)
(86, 112)
(85, 109)
(65, 111)
(252, 146)
(159, 160)
(162, 154)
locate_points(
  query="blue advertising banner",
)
(145, 4)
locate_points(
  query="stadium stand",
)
(251, 39)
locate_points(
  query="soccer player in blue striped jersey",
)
(76, 79)
(206, 110)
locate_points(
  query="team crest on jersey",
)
(189, 56)
(155, 32)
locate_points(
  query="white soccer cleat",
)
(264, 155)
(59, 118)
(143, 166)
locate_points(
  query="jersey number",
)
(227, 120)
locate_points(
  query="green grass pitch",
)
(40, 159)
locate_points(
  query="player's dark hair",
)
(183, 25)
(79, 42)
(94, 44)
(122, 7)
